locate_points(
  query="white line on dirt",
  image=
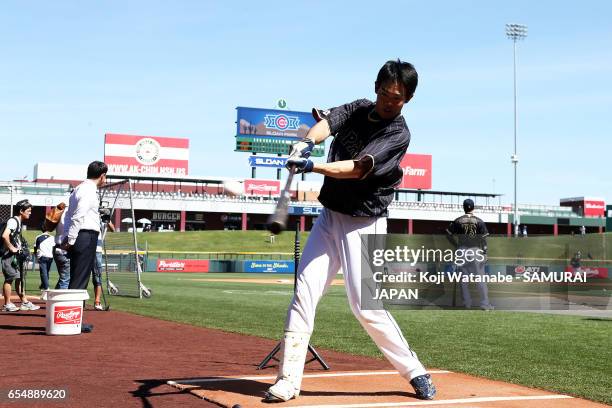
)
(440, 402)
(272, 377)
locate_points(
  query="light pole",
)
(11, 210)
(515, 32)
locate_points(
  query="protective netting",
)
(5, 212)
(121, 260)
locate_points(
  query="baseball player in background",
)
(361, 173)
(471, 233)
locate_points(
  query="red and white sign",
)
(146, 155)
(417, 171)
(586, 206)
(594, 208)
(262, 187)
(591, 272)
(67, 314)
(183, 265)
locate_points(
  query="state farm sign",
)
(262, 187)
(417, 171)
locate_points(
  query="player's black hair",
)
(399, 71)
(22, 205)
(468, 205)
(96, 169)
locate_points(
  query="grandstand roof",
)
(182, 179)
(447, 193)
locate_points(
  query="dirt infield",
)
(128, 359)
(363, 389)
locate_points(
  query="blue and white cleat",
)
(423, 387)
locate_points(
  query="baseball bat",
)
(277, 222)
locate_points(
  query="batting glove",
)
(302, 149)
(302, 165)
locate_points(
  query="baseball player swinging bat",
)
(277, 222)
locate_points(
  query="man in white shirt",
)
(83, 225)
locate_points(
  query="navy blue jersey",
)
(358, 132)
(470, 230)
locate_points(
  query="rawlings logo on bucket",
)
(68, 315)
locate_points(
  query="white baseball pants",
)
(334, 244)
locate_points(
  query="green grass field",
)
(208, 241)
(598, 245)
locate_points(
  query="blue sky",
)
(72, 71)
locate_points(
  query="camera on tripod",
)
(105, 212)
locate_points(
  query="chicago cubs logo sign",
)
(281, 122)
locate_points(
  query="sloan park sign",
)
(267, 161)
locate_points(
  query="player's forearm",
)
(345, 169)
(319, 132)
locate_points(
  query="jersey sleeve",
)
(482, 228)
(39, 240)
(338, 116)
(386, 152)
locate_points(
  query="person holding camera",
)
(83, 225)
(14, 253)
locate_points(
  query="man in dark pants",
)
(83, 226)
(471, 234)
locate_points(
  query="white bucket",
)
(64, 311)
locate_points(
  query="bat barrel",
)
(277, 222)
(276, 227)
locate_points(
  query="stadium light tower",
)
(515, 32)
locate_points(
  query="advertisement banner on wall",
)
(146, 155)
(515, 270)
(297, 210)
(417, 171)
(166, 216)
(594, 208)
(591, 272)
(267, 161)
(273, 122)
(259, 266)
(183, 265)
(262, 187)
